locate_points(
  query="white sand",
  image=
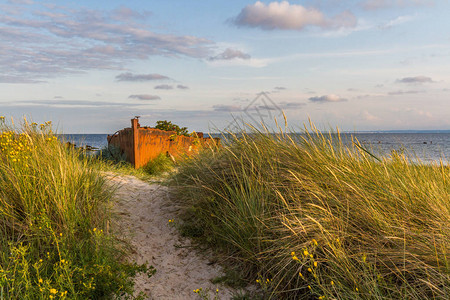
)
(145, 210)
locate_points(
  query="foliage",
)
(113, 154)
(54, 238)
(311, 217)
(169, 126)
(159, 165)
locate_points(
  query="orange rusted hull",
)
(142, 144)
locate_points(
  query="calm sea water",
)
(427, 146)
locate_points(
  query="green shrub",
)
(54, 239)
(169, 126)
(311, 217)
(162, 163)
(113, 154)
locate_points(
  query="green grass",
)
(158, 166)
(110, 160)
(54, 223)
(313, 217)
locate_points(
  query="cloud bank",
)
(327, 98)
(38, 43)
(145, 97)
(286, 16)
(164, 87)
(383, 4)
(415, 80)
(230, 54)
(140, 77)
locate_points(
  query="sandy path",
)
(144, 211)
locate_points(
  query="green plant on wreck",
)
(169, 126)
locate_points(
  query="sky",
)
(91, 66)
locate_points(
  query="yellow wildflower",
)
(53, 291)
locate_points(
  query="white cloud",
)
(369, 117)
(401, 92)
(227, 108)
(21, 1)
(67, 103)
(283, 15)
(420, 112)
(327, 98)
(251, 62)
(124, 13)
(230, 54)
(41, 44)
(397, 21)
(382, 4)
(415, 80)
(145, 97)
(140, 77)
(164, 87)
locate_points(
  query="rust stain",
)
(142, 144)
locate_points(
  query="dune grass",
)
(110, 159)
(158, 166)
(54, 237)
(308, 217)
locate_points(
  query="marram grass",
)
(54, 239)
(313, 218)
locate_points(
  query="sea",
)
(428, 147)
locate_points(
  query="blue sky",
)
(90, 66)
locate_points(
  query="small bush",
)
(113, 154)
(162, 163)
(169, 126)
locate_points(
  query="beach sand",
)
(144, 210)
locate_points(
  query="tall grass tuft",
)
(312, 217)
(159, 165)
(54, 239)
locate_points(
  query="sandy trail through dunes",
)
(145, 210)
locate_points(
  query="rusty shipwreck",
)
(142, 144)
